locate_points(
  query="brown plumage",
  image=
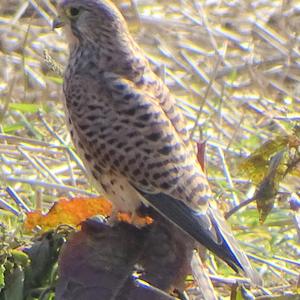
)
(129, 132)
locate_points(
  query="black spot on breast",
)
(136, 172)
(83, 126)
(166, 150)
(106, 157)
(129, 96)
(130, 112)
(111, 141)
(128, 148)
(91, 65)
(112, 152)
(98, 168)
(92, 107)
(117, 127)
(179, 189)
(155, 136)
(146, 150)
(132, 134)
(87, 157)
(144, 106)
(120, 86)
(132, 161)
(165, 185)
(139, 124)
(116, 163)
(92, 117)
(90, 133)
(121, 145)
(144, 117)
(124, 121)
(139, 143)
(156, 176)
(94, 140)
(143, 182)
(102, 137)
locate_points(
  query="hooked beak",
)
(57, 23)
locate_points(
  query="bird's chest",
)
(92, 142)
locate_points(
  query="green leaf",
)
(25, 107)
(233, 76)
(13, 127)
(20, 257)
(2, 270)
(57, 80)
(256, 165)
(14, 284)
(268, 188)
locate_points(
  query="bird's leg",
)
(135, 218)
(113, 218)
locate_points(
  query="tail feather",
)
(232, 245)
(209, 229)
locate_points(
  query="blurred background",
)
(233, 67)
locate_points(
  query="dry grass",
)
(234, 69)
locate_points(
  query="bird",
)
(130, 134)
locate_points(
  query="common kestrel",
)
(129, 132)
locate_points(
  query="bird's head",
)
(89, 21)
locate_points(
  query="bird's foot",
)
(135, 219)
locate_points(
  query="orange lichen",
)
(68, 211)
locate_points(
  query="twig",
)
(287, 260)
(276, 266)
(238, 207)
(228, 176)
(55, 135)
(145, 285)
(7, 206)
(202, 278)
(64, 188)
(12, 193)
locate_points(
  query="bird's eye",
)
(72, 12)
